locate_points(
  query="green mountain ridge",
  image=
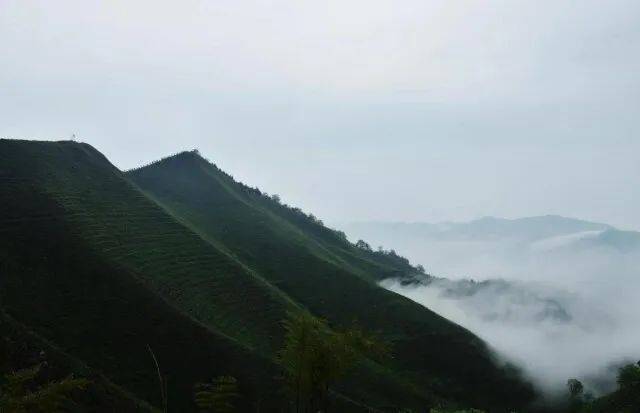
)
(180, 257)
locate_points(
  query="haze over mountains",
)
(152, 269)
(480, 248)
(100, 265)
(558, 295)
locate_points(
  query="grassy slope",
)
(58, 282)
(204, 276)
(322, 271)
(20, 348)
(91, 264)
(122, 226)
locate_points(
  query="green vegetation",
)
(63, 216)
(18, 393)
(576, 394)
(99, 265)
(335, 280)
(20, 347)
(626, 399)
(456, 411)
(218, 396)
(314, 357)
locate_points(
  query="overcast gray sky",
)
(355, 110)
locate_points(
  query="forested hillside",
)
(180, 259)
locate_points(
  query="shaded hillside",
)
(320, 269)
(122, 226)
(57, 282)
(203, 270)
(95, 267)
(21, 348)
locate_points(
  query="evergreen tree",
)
(314, 357)
(20, 394)
(218, 396)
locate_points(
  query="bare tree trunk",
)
(163, 384)
(298, 394)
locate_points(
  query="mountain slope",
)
(181, 258)
(94, 266)
(21, 348)
(318, 268)
(64, 281)
(122, 226)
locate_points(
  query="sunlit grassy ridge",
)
(180, 257)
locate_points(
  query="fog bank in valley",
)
(558, 297)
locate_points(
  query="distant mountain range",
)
(100, 266)
(488, 247)
(549, 230)
(506, 255)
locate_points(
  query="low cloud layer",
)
(560, 305)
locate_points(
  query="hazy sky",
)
(354, 110)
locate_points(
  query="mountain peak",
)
(182, 159)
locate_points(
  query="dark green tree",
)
(218, 396)
(626, 398)
(629, 377)
(20, 394)
(576, 389)
(314, 357)
(628, 392)
(363, 245)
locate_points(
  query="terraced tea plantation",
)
(178, 257)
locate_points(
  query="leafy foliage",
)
(19, 393)
(363, 245)
(628, 394)
(629, 378)
(626, 399)
(576, 390)
(314, 357)
(217, 396)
